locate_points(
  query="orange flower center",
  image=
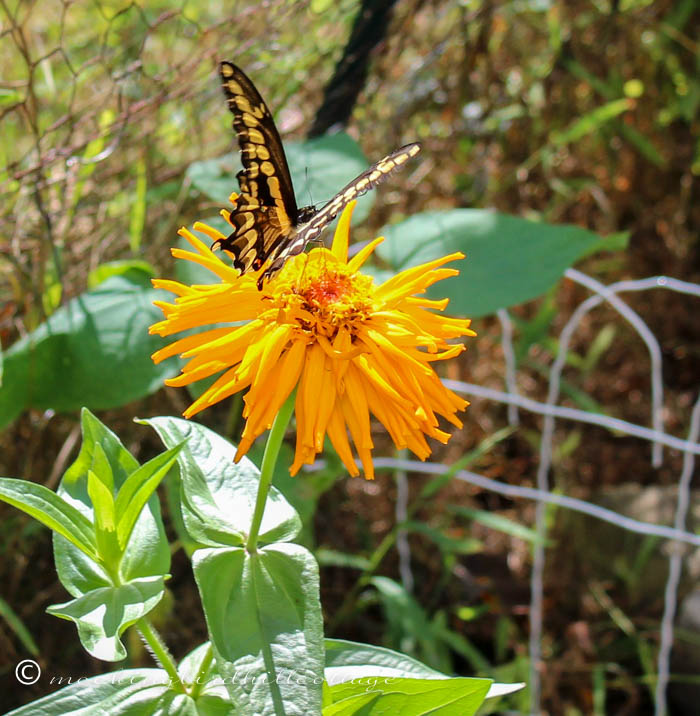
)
(321, 295)
(328, 288)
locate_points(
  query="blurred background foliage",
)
(586, 112)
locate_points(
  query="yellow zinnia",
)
(351, 348)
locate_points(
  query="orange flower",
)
(351, 348)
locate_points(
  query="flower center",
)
(325, 290)
(322, 296)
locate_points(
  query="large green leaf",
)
(95, 351)
(320, 168)
(509, 260)
(347, 661)
(217, 495)
(415, 697)
(102, 615)
(264, 617)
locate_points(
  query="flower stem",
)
(160, 652)
(274, 441)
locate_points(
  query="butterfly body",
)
(268, 226)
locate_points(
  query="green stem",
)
(200, 681)
(160, 652)
(274, 441)
(233, 420)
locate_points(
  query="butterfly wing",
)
(257, 236)
(265, 174)
(357, 187)
(375, 175)
(265, 217)
(265, 212)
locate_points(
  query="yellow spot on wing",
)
(254, 135)
(251, 121)
(273, 184)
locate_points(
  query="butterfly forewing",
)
(268, 227)
(265, 169)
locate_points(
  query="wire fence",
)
(543, 494)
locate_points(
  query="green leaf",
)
(99, 442)
(591, 122)
(264, 617)
(102, 499)
(138, 488)
(18, 627)
(417, 697)
(133, 270)
(333, 558)
(447, 544)
(509, 260)
(320, 168)
(352, 705)
(217, 495)
(347, 660)
(103, 614)
(130, 692)
(95, 351)
(215, 177)
(51, 510)
(501, 524)
(147, 553)
(53, 289)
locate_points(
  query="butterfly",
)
(268, 226)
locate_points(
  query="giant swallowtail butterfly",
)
(268, 227)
